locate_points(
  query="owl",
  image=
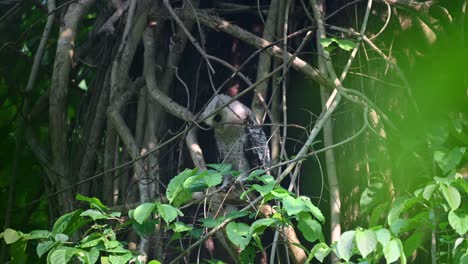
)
(240, 140)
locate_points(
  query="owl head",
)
(234, 113)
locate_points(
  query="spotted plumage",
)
(239, 138)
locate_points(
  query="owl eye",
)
(217, 118)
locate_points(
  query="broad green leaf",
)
(210, 222)
(146, 228)
(366, 242)
(265, 189)
(401, 205)
(310, 228)
(44, 246)
(213, 178)
(10, 236)
(392, 251)
(452, 196)
(181, 227)
(327, 41)
(259, 225)
(346, 245)
(413, 242)
(168, 212)
(383, 236)
(196, 183)
(428, 191)
(459, 222)
(320, 251)
(255, 174)
(37, 234)
(448, 161)
(62, 255)
(176, 193)
(69, 223)
(222, 168)
(154, 262)
(143, 211)
(238, 234)
(94, 214)
(293, 206)
(61, 238)
(93, 255)
(120, 259)
(309, 206)
(92, 243)
(346, 44)
(93, 202)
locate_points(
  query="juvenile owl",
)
(240, 140)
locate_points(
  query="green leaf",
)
(120, 259)
(452, 196)
(366, 242)
(143, 211)
(346, 44)
(62, 255)
(154, 262)
(222, 168)
(312, 208)
(181, 227)
(168, 212)
(383, 236)
(146, 228)
(428, 191)
(265, 189)
(459, 222)
(37, 234)
(392, 251)
(68, 223)
(176, 193)
(325, 42)
(10, 236)
(345, 245)
(209, 222)
(82, 85)
(94, 214)
(238, 234)
(293, 206)
(255, 174)
(44, 246)
(61, 238)
(320, 251)
(93, 202)
(259, 225)
(448, 161)
(310, 228)
(413, 242)
(213, 178)
(401, 205)
(93, 255)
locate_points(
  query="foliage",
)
(99, 241)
